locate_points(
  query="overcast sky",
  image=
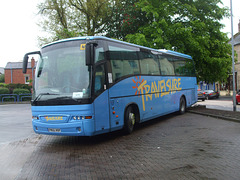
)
(18, 29)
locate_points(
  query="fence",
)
(15, 97)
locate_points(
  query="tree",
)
(95, 14)
(71, 18)
(188, 26)
(2, 78)
(56, 20)
(126, 18)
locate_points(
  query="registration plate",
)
(54, 130)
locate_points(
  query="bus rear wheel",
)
(129, 120)
(182, 107)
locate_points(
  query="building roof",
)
(17, 65)
(236, 39)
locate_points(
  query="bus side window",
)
(190, 68)
(184, 67)
(99, 54)
(180, 67)
(123, 63)
(99, 80)
(148, 64)
(117, 65)
(166, 65)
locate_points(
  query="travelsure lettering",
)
(158, 89)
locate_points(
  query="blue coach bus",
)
(86, 86)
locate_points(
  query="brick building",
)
(14, 74)
(236, 41)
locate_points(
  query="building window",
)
(26, 76)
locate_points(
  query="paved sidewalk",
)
(222, 114)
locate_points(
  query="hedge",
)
(11, 87)
(3, 85)
(4, 90)
(21, 91)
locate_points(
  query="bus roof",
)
(169, 52)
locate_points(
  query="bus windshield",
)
(62, 74)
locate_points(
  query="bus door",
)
(101, 102)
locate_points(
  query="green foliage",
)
(190, 27)
(3, 85)
(71, 18)
(4, 90)
(11, 87)
(126, 18)
(21, 91)
(2, 78)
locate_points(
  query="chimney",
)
(32, 62)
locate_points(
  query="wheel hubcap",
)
(132, 118)
(183, 108)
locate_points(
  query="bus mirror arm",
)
(90, 54)
(25, 60)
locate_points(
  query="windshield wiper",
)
(42, 94)
(64, 98)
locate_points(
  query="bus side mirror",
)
(25, 60)
(90, 56)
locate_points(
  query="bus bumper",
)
(74, 120)
(84, 128)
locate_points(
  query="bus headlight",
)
(81, 117)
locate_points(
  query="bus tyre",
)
(182, 108)
(129, 120)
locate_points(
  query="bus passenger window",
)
(148, 64)
(123, 63)
(190, 68)
(180, 67)
(166, 65)
(184, 67)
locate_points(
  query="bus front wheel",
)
(182, 108)
(129, 120)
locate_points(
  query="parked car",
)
(211, 94)
(238, 98)
(201, 95)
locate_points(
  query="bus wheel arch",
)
(182, 105)
(131, 117)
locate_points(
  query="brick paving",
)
(189, 146)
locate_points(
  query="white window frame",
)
(26, 78)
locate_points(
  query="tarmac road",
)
(17, 138)
(222, 103)
(15, 122)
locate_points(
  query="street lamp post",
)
(233, 68)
